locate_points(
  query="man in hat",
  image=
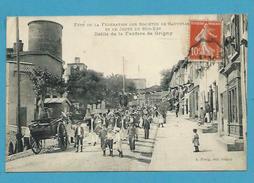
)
(136, 123)
(146, 126)
(103, 137)
(132, 134)
(177, 108)
(109, 141)
(79, 135)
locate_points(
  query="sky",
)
(145, 55)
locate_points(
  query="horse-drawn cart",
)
(47, 129)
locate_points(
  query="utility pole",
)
(123, 96)
(123, 76)
(19, 132)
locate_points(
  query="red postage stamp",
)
(205, 41)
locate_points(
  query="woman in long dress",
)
(118, 139)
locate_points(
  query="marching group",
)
(117, 125)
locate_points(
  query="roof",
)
(45, 21)
(23, 63)
(25, 53)
(56, 101)
(81, 63)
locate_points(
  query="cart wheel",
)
(62, 137)
(36, 145)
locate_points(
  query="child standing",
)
(195, 140)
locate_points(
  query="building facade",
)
(74, 67)
(45, 54)
(27, 101)
(233, 81)
(219, 87)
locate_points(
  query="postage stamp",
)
(205, 41)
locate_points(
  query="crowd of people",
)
(117, 125)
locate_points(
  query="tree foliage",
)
(114, 87)
(43, 82)
(166, 78)
(88, 86)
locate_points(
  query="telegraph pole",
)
(123, 96)
(19, 132)
(123, 76)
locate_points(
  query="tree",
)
(114, 88)
(86, 86)
(43, 82)
(166, 78)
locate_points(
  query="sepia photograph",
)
(126, 93)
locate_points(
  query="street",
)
(90, 159)
(168, 149)
(174, 149)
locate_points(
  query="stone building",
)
(74, 67)
(26, 94)
(44, 53)
(27, 101)
(44, 47)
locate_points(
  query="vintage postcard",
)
(126, 93)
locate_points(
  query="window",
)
(225, 104)
(233, 107)
(235, 32)
(232, 39)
